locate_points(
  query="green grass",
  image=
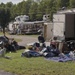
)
(35, 66)
(1, 33)
(18, 40)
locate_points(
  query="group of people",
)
(9, 46)
(56, 48)
(40, 49)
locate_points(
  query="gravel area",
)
(25, 39)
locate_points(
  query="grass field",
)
(35, 66)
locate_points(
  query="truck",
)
(64, 26)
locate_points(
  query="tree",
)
(13, 11)
(2, 5)
(4, 18)
(62, 3)
(28, 5)
(41, 10)
(33, 11)
(72, 3)
(9, 4)
(50, 8)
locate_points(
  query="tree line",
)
(36, 10)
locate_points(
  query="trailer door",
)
(58, 29)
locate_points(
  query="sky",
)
(13, 1)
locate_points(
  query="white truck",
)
(64, 26)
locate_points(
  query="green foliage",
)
(9, 5)
(13, 12)
(33, 11)
(36, 10)
(72, 3)
(2, 5)
(62, 3)
(39, 16)
(4, 18)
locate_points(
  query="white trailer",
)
(64, 26)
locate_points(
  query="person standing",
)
(41, 40)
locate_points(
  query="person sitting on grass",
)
(15, 44)
(3, 51)
(54, 43)
(41, 40)
(10, 46)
